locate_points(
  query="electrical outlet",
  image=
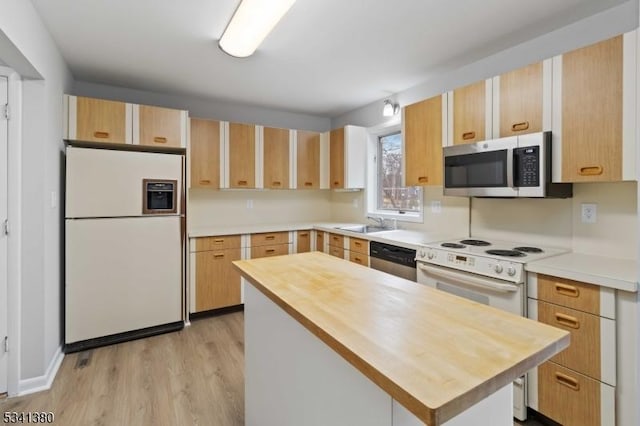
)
(436, 206)
(249, 204)
(355, 203)
(589, 212)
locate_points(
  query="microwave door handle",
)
(471, 281)
(510, 169)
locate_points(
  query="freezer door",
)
(109, 183)
(122, 274)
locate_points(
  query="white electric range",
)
(486, 271)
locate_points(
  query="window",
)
(392, 198)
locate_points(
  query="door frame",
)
(14, 253)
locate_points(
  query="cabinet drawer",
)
(303, 241)
(359, 258)
(336, 251)
(269, 238)
(569, 293)
(359, 245)
(217, 281)
(592, 350)
(572, 399)
(217, 243)
(336, 240)
(270, 250)
(319, 241)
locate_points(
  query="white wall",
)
(26, 46)
(206, 108)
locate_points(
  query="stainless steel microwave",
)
(516, 166)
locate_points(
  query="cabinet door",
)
(276, 158)
(204, 147)
(521, 101)
(268, 251)
(320, 241)
(592, 112)
(160, 126)
(304, 241)
(336, 251)
(308, 159)
(470, 113)
(336, 158)
(242, 155)
(422, 129)
(217, 281)
(98, 120)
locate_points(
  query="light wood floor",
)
(191, 377)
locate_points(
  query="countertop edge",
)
(591, 278)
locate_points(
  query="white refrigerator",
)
(124, 245)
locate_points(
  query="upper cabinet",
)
(423, 130)
(99, 120)
(347, 157)
(470, 113)
(308, 158)
(276, 157)
(241, 148)
(155, 126)
(205, 147)
(595, 112)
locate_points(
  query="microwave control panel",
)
(527, 164)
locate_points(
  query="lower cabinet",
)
(269, 244)
(303, 241)
(217, 282)
(336, 245)
(359, 251)
(320, 241)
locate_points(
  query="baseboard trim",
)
(44, 382)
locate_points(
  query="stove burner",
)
(528, 249)
(476, 242)
(508, 253)
(453, 245)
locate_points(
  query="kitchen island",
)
(331, 342)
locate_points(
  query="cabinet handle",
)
(567, 381)
(567, 320)
(308, 184)
(423, 179)
(357, 244)
(590, 171)
(219, 241)
(336, 183)
(358, 260)
(276, 183)
(468, 135)
(101, 135)
(270, 237)
(205, 181)
(242, 182)
(335, 238)
(218, 255)
(160, 139)
(270, 250)
(304, 235)
(518, 127)
(567, 290)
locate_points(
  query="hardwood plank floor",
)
(191, 377)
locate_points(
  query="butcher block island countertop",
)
(434, 353)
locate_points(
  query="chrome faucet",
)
(378, 219)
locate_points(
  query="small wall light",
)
(390, 109)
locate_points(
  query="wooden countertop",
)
(434, 353)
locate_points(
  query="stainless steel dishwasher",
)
(395, 260)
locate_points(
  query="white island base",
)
(292, 378)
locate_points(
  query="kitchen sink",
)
(363, 229)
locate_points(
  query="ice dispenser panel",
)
(159, 196)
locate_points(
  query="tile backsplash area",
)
(559, 222)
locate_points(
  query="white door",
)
(3, 237)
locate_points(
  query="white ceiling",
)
(326, 57)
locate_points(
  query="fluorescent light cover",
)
(252, 21)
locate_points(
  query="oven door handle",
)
(469, 280)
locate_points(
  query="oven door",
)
(483, 169)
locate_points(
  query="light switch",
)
(436, 206)
(249, 204)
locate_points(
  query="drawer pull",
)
(205, 181)
(101, 135)
(567, 320)
(308, 184)
(567, 290)
(218, 255)
(567, 381)
(336, 183)
(270, 250)
(276, 183)
(358, 260)
(357, 244)
(270, 237)
(306, 234)
(423, 179)
(160, 139)
(219, 240)
(468, 136)
(335, 238)
(242, 182)
(518, 127)
(590, 171)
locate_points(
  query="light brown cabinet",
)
(347, 157)
(320, 238)
(336, 159)
(276, 158)
(359, 251)
(308, 160)
(159, 126)
(269, 244)
(336, 245)
(242, 155)
(99, 120)
(303, 241)
(422, 131)
(470, 113)
(204, 153)
(217, 282)
(520, 101)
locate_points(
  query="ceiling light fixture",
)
(390, 109)
(252, 21)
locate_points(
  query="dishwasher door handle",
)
(469, 280)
